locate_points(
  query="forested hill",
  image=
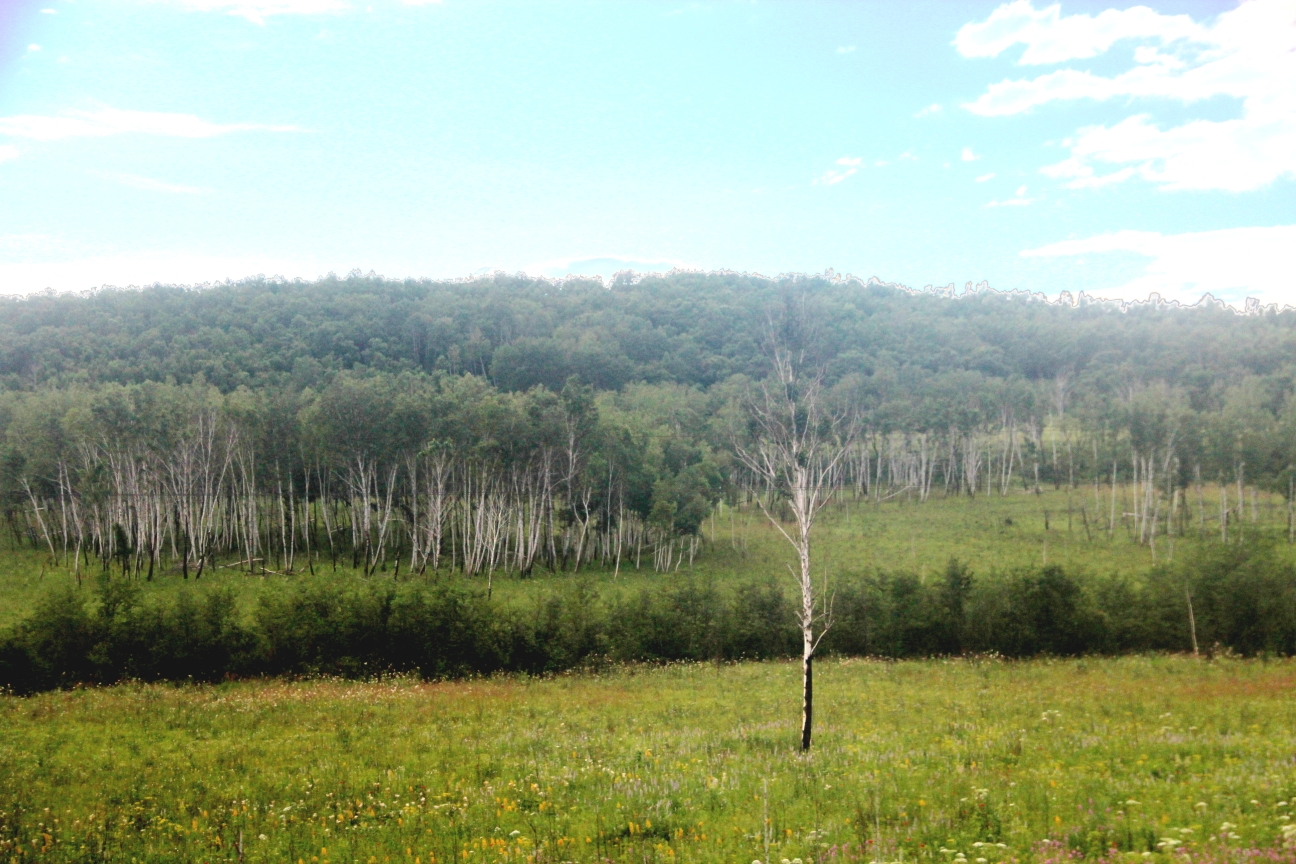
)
(513, 423)
(693, 329)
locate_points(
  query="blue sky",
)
(1111, 149)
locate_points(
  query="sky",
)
(1116, 150)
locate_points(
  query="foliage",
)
(1244, 600)
(601, 416)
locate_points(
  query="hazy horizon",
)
(1111, 149)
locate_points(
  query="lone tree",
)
(795, 443)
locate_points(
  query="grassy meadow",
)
(1141, 758)
(991, 534)
(961, 761)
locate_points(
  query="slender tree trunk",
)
(1111, 519)
(1291, 512)
(1223, 512)
(1192, 621)
(807, 695)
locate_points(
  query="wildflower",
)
(1131, 802)
(1200, 805)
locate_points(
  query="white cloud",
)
(984, 177)
(1231, 264)
(33, 263)
(110, 121)
(1233, 155)
(849, 163)
(422, 2)
(257, 11)
(832, 178)
(138, 182)
(49, 11)
(33, 47)
(603, 266)
(1083, 176)
(1018, 200)
(1248, 54)
(10, 243)
(845, 49)
(1050, 38)
(968, 155)
(930, 109)
(7, 152)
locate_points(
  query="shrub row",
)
(1242, 598)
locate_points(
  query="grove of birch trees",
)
(378, 473)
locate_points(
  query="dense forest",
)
(507, 423)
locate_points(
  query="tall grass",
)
(1158, 759)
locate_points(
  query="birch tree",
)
(795, 446)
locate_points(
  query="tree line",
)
(687, 328)
(426, 472)
(506, 423)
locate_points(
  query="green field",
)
(992, 534)
(971, 761)
(978, 760)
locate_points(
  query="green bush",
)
(1243, 599)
